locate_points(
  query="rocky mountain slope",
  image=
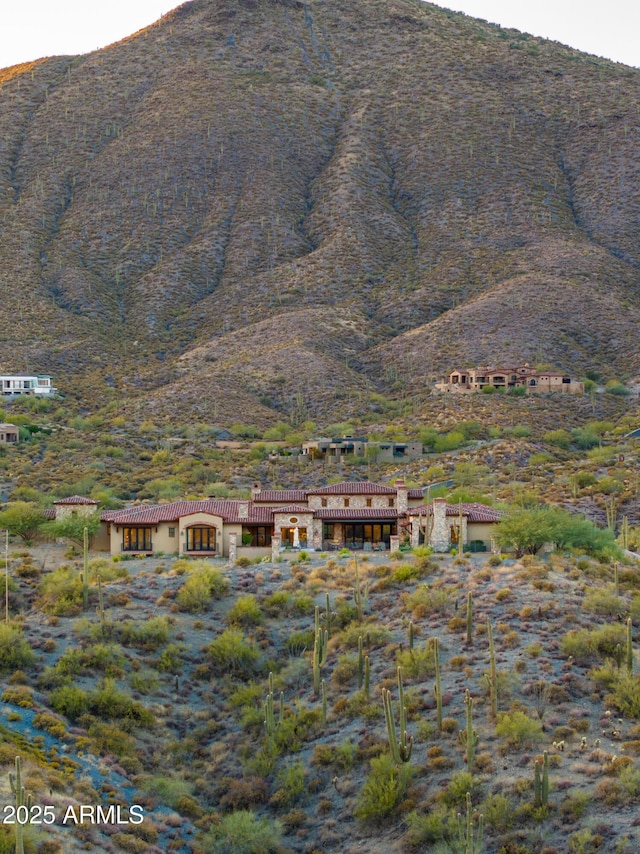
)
(298, 198)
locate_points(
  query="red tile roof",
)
(356, 513)
(292, 508)
(76, 499)
(348, 487)
(473, 511)
(415, 492)
(287, 495)
(154, 514)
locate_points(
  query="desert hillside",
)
(248, 179)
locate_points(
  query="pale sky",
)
(37, 28)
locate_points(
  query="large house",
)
(9, 434)
(381, 452)
(521, 376)
(39, 385)
(354, 515)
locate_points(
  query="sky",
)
(37, 28)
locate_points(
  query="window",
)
(172, 532)
(346, 502)
(201, 539)
(391, 502)
(260, 535)
(136, 540)
(323, 502)
(368, 502)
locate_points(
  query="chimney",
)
(440, 534)
(256, 489)
(402, 494)
(243, 509)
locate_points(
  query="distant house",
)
(9, 434)
(521, 376)
(355, 515)
(39, 385)
(383, 452)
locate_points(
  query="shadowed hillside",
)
(310, 198)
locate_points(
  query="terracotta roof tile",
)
(473, 511)
(348, 487)
(359, 513)
(154, 514)
(76, 499)
(286, 495)
(292, 508)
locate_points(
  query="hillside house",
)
(521, 376)
(39, 385)
(380, 451)
(355, 515)
(9, 434)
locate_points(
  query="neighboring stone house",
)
(355, 515)
(383, 452)
(9, 434)
(522, 376)
(444, 525)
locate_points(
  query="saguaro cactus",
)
(319, 656)
(469, 737)
(402, 746)
(541, 781)
(492, 680)
(22, 800)
(470, 842)
(437, 688)
(469, 618)
(629, 646)
(85, 568)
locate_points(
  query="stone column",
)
(394, 543)
(402, 496)
(440, 533)
(276, 542)
(415, 531)
(233, 547)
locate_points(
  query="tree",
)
(72, 527)
(22, 519)
(529, 529)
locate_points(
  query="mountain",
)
(261, 206)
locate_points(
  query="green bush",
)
(231, 653)
(60, 592)
(426, 828)
(419, 662)
(242, 832)
(584, 644)
(245, 612)
(149, 634)
(383, 790)
(204, 584)
(107, 702)
(70, 701)
(428, 600)
(518, 729)
(15, 651)
(625, 695)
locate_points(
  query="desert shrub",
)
(625, 695)
(299, 642)
(60, 592)
(584, 644)
(603, 602)
(345, 670)
(204, 584)
(70, 701)
(383, 789)
(419, 662)
(15, 651)
(19, 695)
(231, 653)
(426, 828)
(245, 612)
(149, 634)
(456, 792)
(168, 790)
(110, 738)
(107, 702)
(428, 600)
(518, 729)
(49, 723)
(242, 832)
(373, 635)
(498, 812)
(291, 785)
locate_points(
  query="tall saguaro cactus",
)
(491, 677)
(541, 781)
(22, 799)
(468, 736)
(319, 656)
(402, 746)
(470, 841)
(437, 688)
(85, 568)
